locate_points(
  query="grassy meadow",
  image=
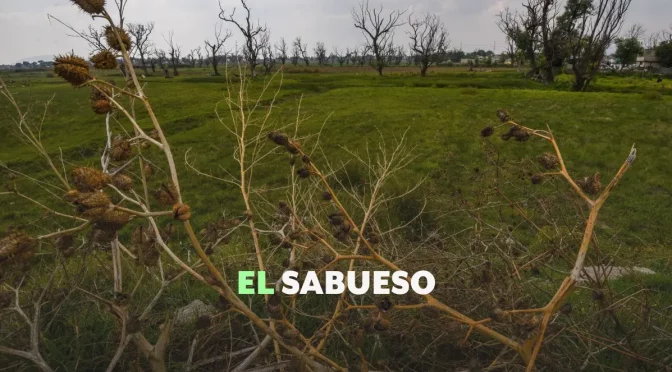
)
(353, 109)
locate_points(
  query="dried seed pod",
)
(122, 181)
(88, 179)
(112, 220)
(91, 6)
(382, 325)
(115, 43)
(590, 185)
(121, 148)
(104, 60)
(101, 106)
(73, 69)
(385, 304)
(537, 179)
(327, 196)
(102, 236)
(327, 258)
(147, 169)
(305, 159)
(293, 147)
(223, 303)
(503, 116)
(166, 194)
(487, 132)
(279, 138)
(548, 161)
(16, 247)
(303, 172)
(181, 212)
(336, 218)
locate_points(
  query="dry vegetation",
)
(126, 239)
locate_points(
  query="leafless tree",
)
(530, 23)
(199, 56)
(429, 40)
(281, 48)
(341, 57)
(508, 24)
(399, 55)
(320, 53)
(193, 56)
(174, 51)
(161, 59)
(267, 57)
(378, 30)
(212, 48)
(595, 29)
(251, 32)
(296, 52)
(140, 33)
(301, 50)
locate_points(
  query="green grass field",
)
(443, 114)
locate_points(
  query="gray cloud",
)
(28, 31)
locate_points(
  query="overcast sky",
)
(27, 31)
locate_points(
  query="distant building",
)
(467, 61)
(648, 59)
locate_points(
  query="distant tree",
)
(281, 48)
(627, 50)
(296, 52)
(590, 36)
(212, 48)
(320, 53)
(267, 57)
(174, 51)
(378, 29)
(142, 46)
(508, 24)
(199, 56)
(251, 33)
(340, 57)
(429, 40)
(193, 56)
(664, 53)
(302, 50)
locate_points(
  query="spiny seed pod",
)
(91, 6)
(385, 304)
(537, 179)
(327, 196)
(519, 133)
(382, 325)
(147, 169)
(113, 220)
(548, 161)
(101, 106)
(181, 212)
(100, 93)
(73, 69)
(64, 242)
(503, 116)
(92, 200)
(88, 179)
(279, 138)
(336, 219)
(122, 181)
(112, 40)
(121, 148)
(104, 60)
(305, 159)
(293, 147)
(590, 185)
(166, 194)
(16, 247)
(303, 172)
(487, 132)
